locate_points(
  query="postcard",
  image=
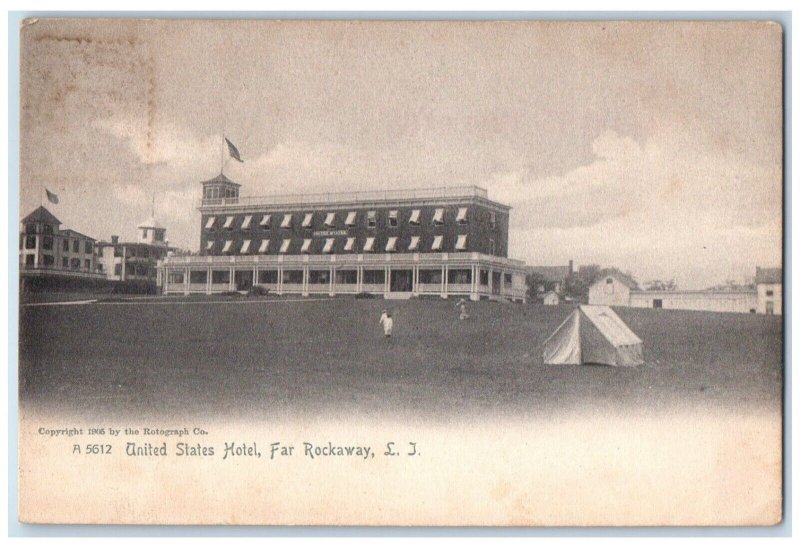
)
(401, 273)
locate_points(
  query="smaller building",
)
(612, 288)
(135, 261)
(551, 298)
(769, 290)
(549, 278)
(741, 301)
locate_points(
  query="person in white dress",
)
(386, 322)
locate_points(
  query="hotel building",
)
(399, 243)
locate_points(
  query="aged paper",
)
(334, 312)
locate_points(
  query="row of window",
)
(132, 252)
(349, 220)
(47, 243)
(344, 276)
(32, 228)
(327, 245)
(73, 263)
(135, 270)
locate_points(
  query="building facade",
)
(769, 290)
(46, 248)
(743, 301)
(611, 289)
(134, 261)
(438, 241)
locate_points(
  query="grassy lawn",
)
(276, 357)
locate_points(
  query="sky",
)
(652, 147)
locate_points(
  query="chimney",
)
(570, 267)
(114, 239)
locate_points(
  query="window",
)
(484, 277)
(461, 218)
(391, 244)
(609, 280)
(437, 243)
(319, 277)
(65, 262)
(292, 276)
(198, 276)
(75, 263)
(87, 264)
(351, 219)
(267, 276)
(117, 270)
(30, 242)
(287, 221)
(87, 247)
(348, 245)
(414, 220)
(76, 246)
(146, 252)
(306, 247)
(414, 245)
(144, 233)
(492, 219)
(246, 222)
(459, 276)
(30, 228)
(48, 260)
(372, 221)
(228, 223)
(374, 277)
(285, 245)
(265, 220)
(209, 245)
(507, 277)
(29, 260)
(492, 249)
(159, 235)
(346, 277)
(369, 244)
(461, 242)
(227, 247)
(220, 276)
(48, 229)
(245, 247)
(307, 219)
(328, 247)
(47, 242)
(264, 247)
(393, 218)
(175, 277)
(65, 246)
(770, 292)
(330, 219)
(438, 217)
(210, 223)
(658, 303)
(117, 251)
(430, 276)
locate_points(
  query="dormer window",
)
(309, 217)
(438, 217)
(414, 220)
(246, 222)
(287, 221)
(330, 219)
(228, 223)
(351, 219)
(461, 217)
(371, 219)
(393, 218)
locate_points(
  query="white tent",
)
(593, 334)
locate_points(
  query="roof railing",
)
(351, 197)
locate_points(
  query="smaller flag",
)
(52, 196)
(234, 152)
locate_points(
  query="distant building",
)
(551, 298)
(394, 243)
(550, 278)
(765, 298)
(612, 289)
(769, 290)
(135, 261)
(47, 249)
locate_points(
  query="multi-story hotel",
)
(135, 261)
(401, 243)
(46, 249)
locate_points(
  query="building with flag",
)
(48, 252)
(449, 241)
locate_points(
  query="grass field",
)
(243, 358)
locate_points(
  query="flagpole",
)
(222, 153)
